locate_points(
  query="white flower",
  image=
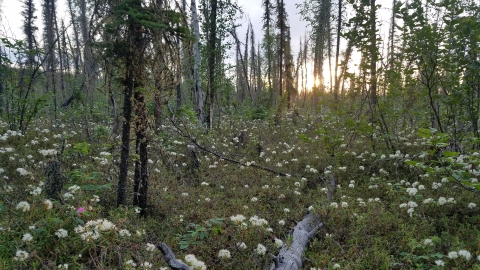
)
(427, 201)
(344, 204)
(224, 254)
(73, 189)
(436, 185)
(241, 245)
(452, 255)
(61, 233)
(412, 191)
(278, 243)
(237, 219)
(310, 208)
(48, 204)
(95, 198)
(68, 195)
(204, 184)
(124, 232)
(130, 263)
(428, 242)
(63, 266)
(335, 266)
(439, 263)
(21, 255)
(36, 191)
(472, 205)
(412, 204)
(403, 205)
(23, 172)
(254, 199)
(261, 249)
(286, 210)
(258, 221)
(465, 253)
(151, 247)
(442, 201)
(146, 265)
(48, 152)
(334, 205)
(281, 222)
(194, 263)
(27, 237)
(24, 206)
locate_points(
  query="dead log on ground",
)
(170, 258)
(290, 256)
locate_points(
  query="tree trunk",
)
(197, 85)
(211, 52)
(140, 187)
(337, 52)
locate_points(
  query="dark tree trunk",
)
(211, 47)
(140, 187)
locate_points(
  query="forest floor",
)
(392, 209)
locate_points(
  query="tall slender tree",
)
(50, 39)
(198, 95)
(29, 30)
(211, 55)
(268, 44)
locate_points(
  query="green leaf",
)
(436, 255)
(450, 154)
(411, 162)
(305, 138)
(425, 133)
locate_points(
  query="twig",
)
(184, 133)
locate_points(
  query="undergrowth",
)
(402, 209)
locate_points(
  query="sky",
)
(11, 22)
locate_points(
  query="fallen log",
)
(290, 256)
(170, 258)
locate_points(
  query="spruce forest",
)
(175, 134)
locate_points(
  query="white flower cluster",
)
(23, 172)
(151, 247)
(411, 207)
(195, 263)
(237, 219)
(48, 152)
(91, 230)
(61, 233)
(261, 249)
(224, 254)
(24, 206)
(258, 221)
(10, 133)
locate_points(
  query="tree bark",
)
(197, 85)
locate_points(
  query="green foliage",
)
(82, 148)
(258, 113)
(444, 163)
(198, 234)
